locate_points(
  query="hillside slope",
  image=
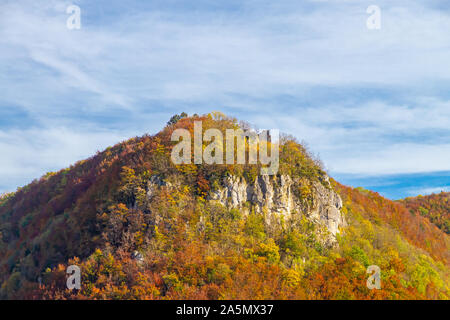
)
(141, 227)
(436, 207)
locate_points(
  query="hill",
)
(141, 227)
(436, 207)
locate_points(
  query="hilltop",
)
(141, 227)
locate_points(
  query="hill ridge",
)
(97, 214)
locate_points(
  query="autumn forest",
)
(179, 244)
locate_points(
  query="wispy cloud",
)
(424, 191)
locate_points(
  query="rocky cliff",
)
(275, 197)
(283, 196)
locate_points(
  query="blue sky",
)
(373, 104)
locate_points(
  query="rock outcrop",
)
(280, 195)
(276, 196)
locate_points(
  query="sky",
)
(374, 105)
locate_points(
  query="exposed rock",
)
(154, 183)
(275, 195)
(137, 256)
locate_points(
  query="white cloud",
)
(373, 138)
(30, 153)
(425, 191)
(174, 57)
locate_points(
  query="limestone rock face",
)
(275, 196)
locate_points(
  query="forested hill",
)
(141, 227)
(436, 207)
